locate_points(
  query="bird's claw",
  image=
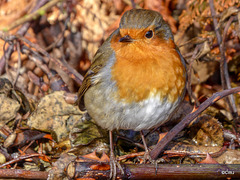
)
(113, 168)
(148, 158)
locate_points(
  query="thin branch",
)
(19, 64)
(189, 73)
(184, 123)
(33, 15)
(132, 155)
(131, 3)
(64, 66)
(22, 31)
(20, 158)
(215, 23)
(223, 64)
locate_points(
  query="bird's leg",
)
(146, 155)
(113, 170)
(113, 162)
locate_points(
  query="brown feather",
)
(100, 59)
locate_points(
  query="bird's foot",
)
(147, 158)
(114, 164)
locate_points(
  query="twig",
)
(226, 29)
(223, 63)
(189, 73)
(6, 57)
(131, 141)
(174, 131)
(31, 16)
(215, 23)
(22, 31)
(231, 98)
(132, 3)
(219, 153)
(19, 64)
(64, 66)
(20, 158)
(132, 155)
(27, 146)
(37, 59)
(198, 153)
(61, 36)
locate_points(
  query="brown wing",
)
(99, 61)
(86, 85)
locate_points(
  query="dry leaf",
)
(208, 160)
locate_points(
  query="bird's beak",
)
(126, 38)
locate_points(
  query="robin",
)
(137, 78)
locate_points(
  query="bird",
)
(137, 78)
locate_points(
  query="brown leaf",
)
(208, 160)
(104, 158)
(92, 156)
(161, 135)
(26, 136)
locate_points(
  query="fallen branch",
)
(184, 123)
(149, 171)
(20, 158)
(22, 174)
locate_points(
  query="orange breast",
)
(143, 69)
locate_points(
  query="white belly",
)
(110, 114)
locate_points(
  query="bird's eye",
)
(149, 34)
